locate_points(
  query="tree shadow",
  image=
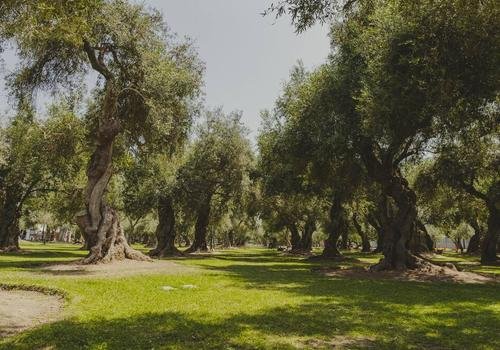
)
(321, 325)
(36, 258)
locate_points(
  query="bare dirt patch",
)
(440, 274)
(114, 269)
(20, 310)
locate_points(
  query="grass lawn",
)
(253, 299)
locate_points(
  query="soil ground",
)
(21, 310)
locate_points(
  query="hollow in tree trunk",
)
(200, 229)
(365, 242)
(165, 231)
(100, 222)
(336, 226)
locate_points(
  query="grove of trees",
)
(394, 137)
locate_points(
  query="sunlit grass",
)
(254, 299)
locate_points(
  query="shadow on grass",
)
(324, 324)
(37, 258)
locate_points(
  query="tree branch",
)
(96, 64)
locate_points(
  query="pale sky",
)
(247, 56)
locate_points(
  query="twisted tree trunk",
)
(165, 231)
(100, 222)
(403, 223)
(200, 230)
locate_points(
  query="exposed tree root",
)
(111, 244)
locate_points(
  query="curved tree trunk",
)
(490, 241)
(337, 225)
(200, 230)
(365, 242)
(165, 231)
(100, 222)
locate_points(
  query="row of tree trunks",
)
(337, 225)
(165, 231)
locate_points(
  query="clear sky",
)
(247, 56)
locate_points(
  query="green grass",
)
(253, 299)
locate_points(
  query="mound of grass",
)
(254, 299)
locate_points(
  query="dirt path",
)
(20, 310)
(115, 269)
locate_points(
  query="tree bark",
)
(294, 237)
(200, 230)
(403, 223)
(9, 224)
(490, 241)
(306, 240)
(365, 242)
(100, 222)
(165, 231)
(337, 225)
(474, 246)
(420, 240)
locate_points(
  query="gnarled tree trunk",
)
(100, 222)
(200, 229)
(165, 231)
(337, 225)
(403, 223)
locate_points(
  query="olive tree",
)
(146, 82)
(214, 172)
(35, 158)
